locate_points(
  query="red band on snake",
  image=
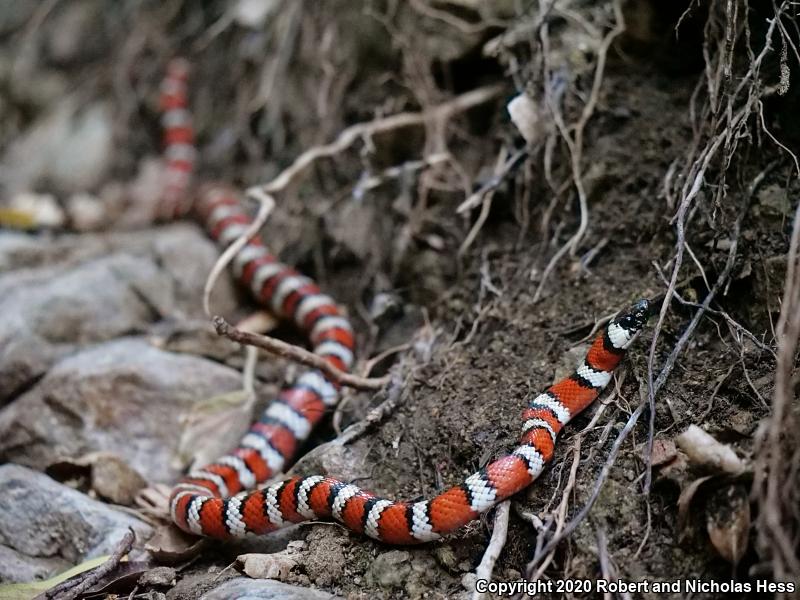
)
(211, 501)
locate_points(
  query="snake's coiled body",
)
(209, 500)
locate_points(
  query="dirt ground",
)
(674, 134)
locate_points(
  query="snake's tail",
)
(299, 499)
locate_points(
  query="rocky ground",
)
(445, 242)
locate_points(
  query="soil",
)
(482, 344)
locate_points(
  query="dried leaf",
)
(14, 218)
(122, 580)
(728, 521)
(154, 500)
(703, 449)
(676, 469)
(213, 427)
(28, 210)
(108, 474)
(171, 545)
(685, 501)
(258, 322)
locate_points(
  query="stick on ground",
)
(296, 354)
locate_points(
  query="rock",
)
(390, 569)
(14, 14)
(263, 589)
(123, 396)
(14, 248)
(70, 148)
(17, 567)
(46, 527)
(324, 560)
(79, 290)
(48, 312)
(423, 577)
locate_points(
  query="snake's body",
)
(212, 500)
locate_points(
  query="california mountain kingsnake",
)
(208, 501)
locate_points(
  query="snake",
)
(226, 499)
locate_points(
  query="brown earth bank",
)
(624, 150)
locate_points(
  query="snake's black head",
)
(634, 319)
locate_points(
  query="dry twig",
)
(495, 547)
(73, 588)
(296, 354)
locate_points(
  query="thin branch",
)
(346, 138)
(561, 515)
(73, 588)
(500, 173)
(495, 547)
(296, 354)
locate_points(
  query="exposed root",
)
(495, 547)
(778, 456)
(437, 115)
(575, 145)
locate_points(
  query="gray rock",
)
(17, 567)
(46, 313)
(243, 588)
(390, 569)
(46, 526)
(70, 147)
(124, 397)
(14, 14)
(14, 248)
(77, 290)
